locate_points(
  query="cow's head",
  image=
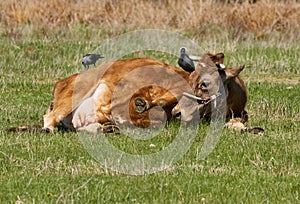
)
(208, 82)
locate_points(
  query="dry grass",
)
(192, 16)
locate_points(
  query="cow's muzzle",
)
(200, 100)
(176, 112)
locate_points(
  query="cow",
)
(116, 92)
(140, 91)
(210, 79)
(137, 92)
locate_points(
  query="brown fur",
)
(70, 93)
(206, 81)
(107, 94)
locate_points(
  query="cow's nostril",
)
(178, 114)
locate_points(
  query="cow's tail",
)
(26, 128)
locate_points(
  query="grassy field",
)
(243, 168)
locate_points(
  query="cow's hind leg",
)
(51, 119)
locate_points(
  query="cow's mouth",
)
(201, 100)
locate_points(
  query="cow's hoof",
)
(255, 130)
(47, 130)
(111, 129)
(139, 102)
(140, 109)
(140, 105)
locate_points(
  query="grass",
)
(243, 168)
(264, 19)
(38, 167)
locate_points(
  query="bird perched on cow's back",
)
(89, 59)
(184, 61)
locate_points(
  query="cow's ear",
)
(217, 58)
(220, 57)
(229, 73)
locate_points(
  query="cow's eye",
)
(200, 101)
(204, 85)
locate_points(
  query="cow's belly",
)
(90, 111)
(84, 114)
(81, 116)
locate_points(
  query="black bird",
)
(185, 62)
(89, 59)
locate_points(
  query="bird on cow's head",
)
(89, 59)
(185, 62)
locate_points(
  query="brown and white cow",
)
(210, 79)
(123, 91)
(140, 91)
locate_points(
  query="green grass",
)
(243, 168)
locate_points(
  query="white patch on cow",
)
(100, 91)
(222, 66)
(84, 114)
(214, 104)
(91, 128)
(118, 120)
(202, 64)
(48, 123)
